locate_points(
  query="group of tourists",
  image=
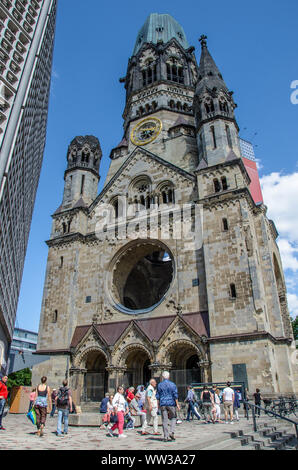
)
(211, 401)
(120, 410)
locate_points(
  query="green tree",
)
(20, 378)
(295, 327)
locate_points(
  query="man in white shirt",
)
(228, 401)
(151, 406)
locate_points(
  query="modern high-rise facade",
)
(26, 49)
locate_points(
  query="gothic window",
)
(64, 227)
(175, 73)
(224, 183)
(118, 209)
(55, 316)
(223, 106)
(141, 193)
(149, 74)
(225, 225)
(216, 184)
(166, 194)
(61, 261)
(213, 136)
(85, 156)
(209, 106)
(82, 184)
(233, 293)
(229, 137)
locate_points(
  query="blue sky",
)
(255, 46)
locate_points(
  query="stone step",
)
(222, 444)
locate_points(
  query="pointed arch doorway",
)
(96, 377)
(138, 372)
(185, 366)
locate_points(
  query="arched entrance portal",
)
(137, 372)
(185, 367)
(96, 378)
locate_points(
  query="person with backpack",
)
(191, 399)
(64, 406)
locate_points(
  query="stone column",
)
(115, 377)
(157, 369)
(77, 382)
(206, 371)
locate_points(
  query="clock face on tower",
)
(146, 131)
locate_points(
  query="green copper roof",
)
(160, 27)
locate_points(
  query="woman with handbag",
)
(119, 410)
(42, 400)
(32, 399)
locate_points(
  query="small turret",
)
(82, 174)
(216, 126)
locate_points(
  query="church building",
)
(174, 265)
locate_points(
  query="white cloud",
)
(259, 163)
(288, 253)
(280, 192)
(293, 304)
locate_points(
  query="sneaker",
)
(172, 437)
(166, 439)
(122, 436)
(110, 433)
(2, 428)
(59, 434)
(231, 422)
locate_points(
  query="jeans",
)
(2, 405)
(53, 410)
(191, 410)
(62, 414)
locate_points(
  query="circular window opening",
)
(142, 276)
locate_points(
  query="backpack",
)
(62, 399)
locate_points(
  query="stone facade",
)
(136, 285)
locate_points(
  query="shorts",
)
(228, 405)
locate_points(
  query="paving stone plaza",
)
(20, 435)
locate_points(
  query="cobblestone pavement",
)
(20, 434)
